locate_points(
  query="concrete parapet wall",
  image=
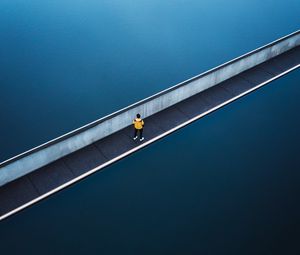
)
(77, 139)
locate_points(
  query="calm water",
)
(227, 184)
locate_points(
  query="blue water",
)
(227, 184)
(66, 63)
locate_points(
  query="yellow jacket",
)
(138, 123)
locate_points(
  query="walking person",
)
(138, 127)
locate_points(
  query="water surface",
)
(66, 63)
(227, 184)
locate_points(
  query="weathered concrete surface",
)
(42, 182)
(58, 148)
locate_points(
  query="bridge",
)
(40, 172)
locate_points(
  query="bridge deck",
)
(39, 184)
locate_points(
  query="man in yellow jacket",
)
(138, 127)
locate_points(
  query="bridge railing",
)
(55, 149)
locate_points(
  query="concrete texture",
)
(112, 147)
(85, 159)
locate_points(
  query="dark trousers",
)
(136, 132)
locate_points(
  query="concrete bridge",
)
(36, 174)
